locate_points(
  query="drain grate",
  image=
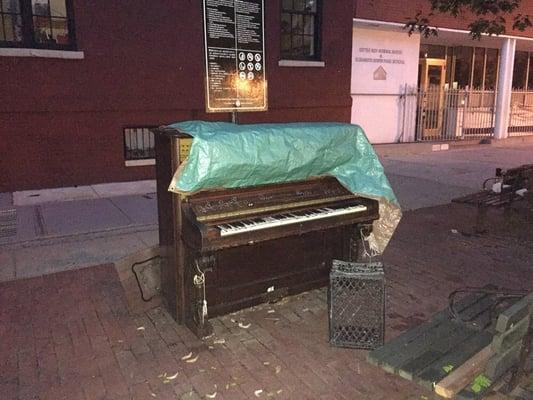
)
(8, 223)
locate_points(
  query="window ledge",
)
(140, 163)
(42, 53)
(301, 63)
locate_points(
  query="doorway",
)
(432, 75)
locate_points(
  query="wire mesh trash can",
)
(356, 300)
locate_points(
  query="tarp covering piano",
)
(225, 155)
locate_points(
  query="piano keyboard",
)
(255, 224)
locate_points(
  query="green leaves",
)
(492, 16)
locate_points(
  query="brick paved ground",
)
(70, 335)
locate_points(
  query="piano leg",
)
(197, 320)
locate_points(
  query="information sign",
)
(234, 55)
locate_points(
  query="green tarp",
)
(225, 155)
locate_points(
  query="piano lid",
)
(225, 155)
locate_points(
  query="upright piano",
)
(227, 249)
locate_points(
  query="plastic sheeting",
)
(225, 155)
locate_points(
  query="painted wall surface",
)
(61, 121)
(384, 67)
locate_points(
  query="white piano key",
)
(287, 219)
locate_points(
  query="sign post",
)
(235, 56)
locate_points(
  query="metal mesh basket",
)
(356, 299)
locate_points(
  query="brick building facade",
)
(141, 64)
(82, 82)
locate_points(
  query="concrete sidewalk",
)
(69, 228)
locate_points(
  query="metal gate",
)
(454, 114)
(521, 114)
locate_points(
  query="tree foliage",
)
(492, 16)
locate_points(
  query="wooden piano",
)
(224, 250)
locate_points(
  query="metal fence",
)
(458, 114)
(521, 117)
(454, 114)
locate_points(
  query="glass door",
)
(432, 78)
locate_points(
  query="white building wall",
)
(384, 65)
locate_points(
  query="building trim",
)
(301, 63)
(377, 23)
(140, 163)
(42, 53)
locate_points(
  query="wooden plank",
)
(399, 343)
(436, 350)
(416, 348)
(500, 363)
(458, 379)
(479, 314)
(504, 341)
(437, 371)
(514, 313)
(436, 342)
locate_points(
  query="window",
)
(300, 29)
(139, 143)
(521, 59)
(479, 68)
(432, 51)
(41, 24)
(491, 69)
(463, 66)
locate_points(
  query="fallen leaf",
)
(258, 392)
(172, 377)
(278, 369)
(279, 391)
(192, 360)
(153, 394)
(187, 356)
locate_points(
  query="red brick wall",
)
(61, 120)
(400, 11)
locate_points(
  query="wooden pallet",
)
(428, 353)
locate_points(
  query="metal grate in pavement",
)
(8, 223)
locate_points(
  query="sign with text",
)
(234, 55)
